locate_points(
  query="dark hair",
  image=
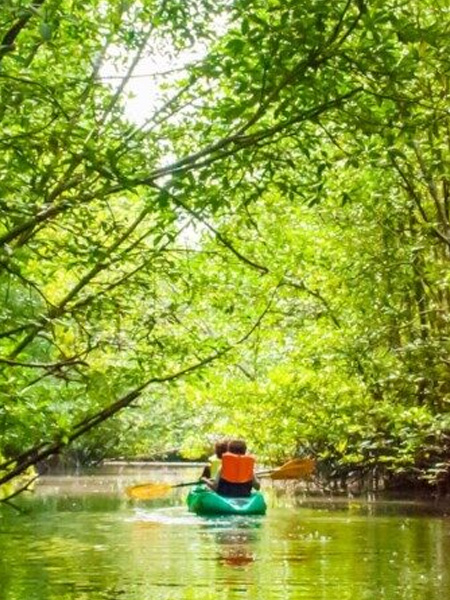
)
(237, 447)
(221, 447)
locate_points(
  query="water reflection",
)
(97, 545)
(235, 539)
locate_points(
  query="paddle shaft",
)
(186, 484)
(189, 483)
(258, 474)
(293, 469)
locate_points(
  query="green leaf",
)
(46, 30)
(236, 46)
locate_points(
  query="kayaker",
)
(215, 461)
(236, 477)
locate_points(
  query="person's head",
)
(220, 448)
(237, 447)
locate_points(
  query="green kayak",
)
(203, 501)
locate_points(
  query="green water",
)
(81, 539)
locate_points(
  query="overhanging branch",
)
(7, 43)
(47, 449)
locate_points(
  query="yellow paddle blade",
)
(295, 469)
(148, 491)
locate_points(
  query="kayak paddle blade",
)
(148, 491)
(295, 469)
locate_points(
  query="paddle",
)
(149, 491)
(294, 469)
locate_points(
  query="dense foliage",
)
(263, 252)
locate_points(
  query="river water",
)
(80, 538)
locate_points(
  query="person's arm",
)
(213, 483)
(206, 473)
(256, 483)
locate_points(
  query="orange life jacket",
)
(237, 468)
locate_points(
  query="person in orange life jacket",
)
(236, 477)
(215, 461)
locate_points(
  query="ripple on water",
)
(177, 516)
(164, 516)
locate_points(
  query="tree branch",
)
(64, 363)
(7, 43)
(46, 449)
(222, 239)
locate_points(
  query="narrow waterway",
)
(82, 539)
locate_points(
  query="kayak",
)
(204, 501)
